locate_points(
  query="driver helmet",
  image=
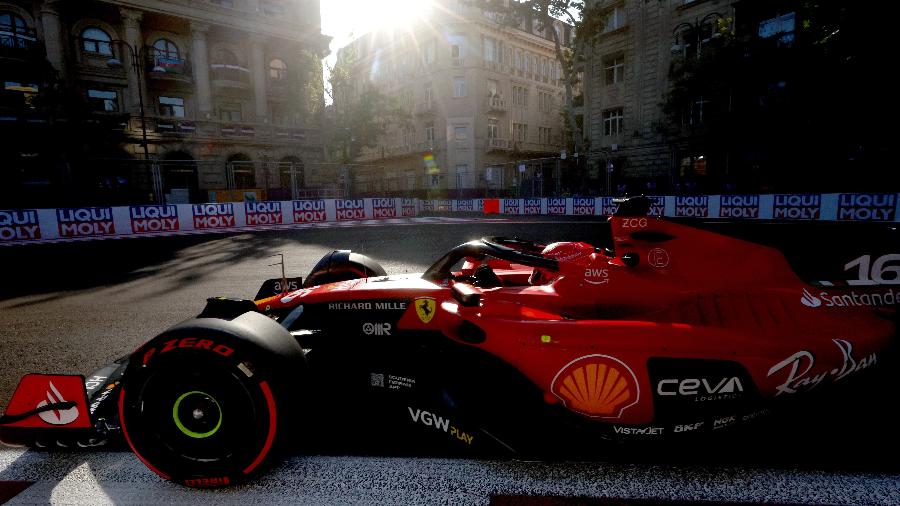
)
(575, 252)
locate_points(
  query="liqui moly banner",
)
(428, 206)
(350, 209)
(866, 207)
(384, 208)
(464, 206)
(607, 206)
(308, 211)
(213, 216)
(263, 214)
(739, 206)
(85, 222)
(692, 206)
(512, 206)
(531, 206)
(584, 206)
(154, 219)
(408, 207)
(19, 226)
(797, 207)
(557, 206)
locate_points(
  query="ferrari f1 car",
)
(672, 332)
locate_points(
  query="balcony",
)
(496, 144)
(226, 131)
(425, 108)
(495, 103)
(225, 75)
(19, 43)
(169, 69)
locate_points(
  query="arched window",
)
(95, 40)
(277, 70)
(225, 57)
(165, 48)
(14, 32)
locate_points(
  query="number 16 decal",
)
(881, 273)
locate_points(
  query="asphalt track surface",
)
(71, 308)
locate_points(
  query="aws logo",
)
(596, 276)
(597, 386)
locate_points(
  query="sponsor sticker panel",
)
(557, 206)
(531, 206)
(308, 211)
(350, 209)
(607, 206)
(213, 216)
(154, 219)
(512, 206)
(797, 207)
(693, 206)
(408, 207)
(384, 208)
(739, 206)
(866, 207)
(85, 222)
(263, 214)
(584, 206)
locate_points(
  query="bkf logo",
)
(797, 207)
(19, 225)
(583, 206)
(148, 219)
(532, 206)
(263, 213)
(384, 208)
(607, 206)
(309, 211)
(556, 206)
(739, 206)
(207, 216)
(465, 205)
(85, 221)
(866, 207)
(692, 207)
(511, 206)
(351, 209)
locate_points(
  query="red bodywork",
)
(585, 333)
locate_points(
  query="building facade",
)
(226, 88)
(626, 79)
(482, 97)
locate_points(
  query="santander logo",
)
(57, 417)
(810, 300)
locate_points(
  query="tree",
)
(358, 116)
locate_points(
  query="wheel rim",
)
(194, 412)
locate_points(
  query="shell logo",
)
(597, 386)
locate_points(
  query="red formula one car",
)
(502, 343)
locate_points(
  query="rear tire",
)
(201, 415)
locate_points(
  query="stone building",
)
(228, 90)
(483, 97)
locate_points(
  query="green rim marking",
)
(184, 430)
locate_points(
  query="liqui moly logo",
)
(532, 206)
(511, 206)
(263, 213)
(607, 206)
(350, 209)
(309, 211)
(657, 206)
(384, 208)
(407, 207)
(207, 216)
(428, 205)
(739, 206)
(150, 219)
(556, 206)
(694, 206)
(866, 207)
(445, 205)
(21, 225)
(465, 205)
(85, 221)
(797, 207)
(583, 206)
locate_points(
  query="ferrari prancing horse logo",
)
(425, 307)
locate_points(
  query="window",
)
(95, 40)
(544, 135)
(427, 93)
(230, 112)
(460, 133)
(614, 69)
(615, 19)
(520, 132)
(612, 122)
(172, 107)
(493, 128)
(103, 100)
(14, 32)
(277, 70)
(519, 63)
(780, 26)
(272, 7)
(459, 87)
(545, 68)
(28, 93)
(527, 63)
(457, 46)
(491, 53)
(165, 48)
(429, 132)
(520, 96)
(225, 57)
(430, 48)
(545, 102)
(493, 88)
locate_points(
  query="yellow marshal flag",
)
(425, 307)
